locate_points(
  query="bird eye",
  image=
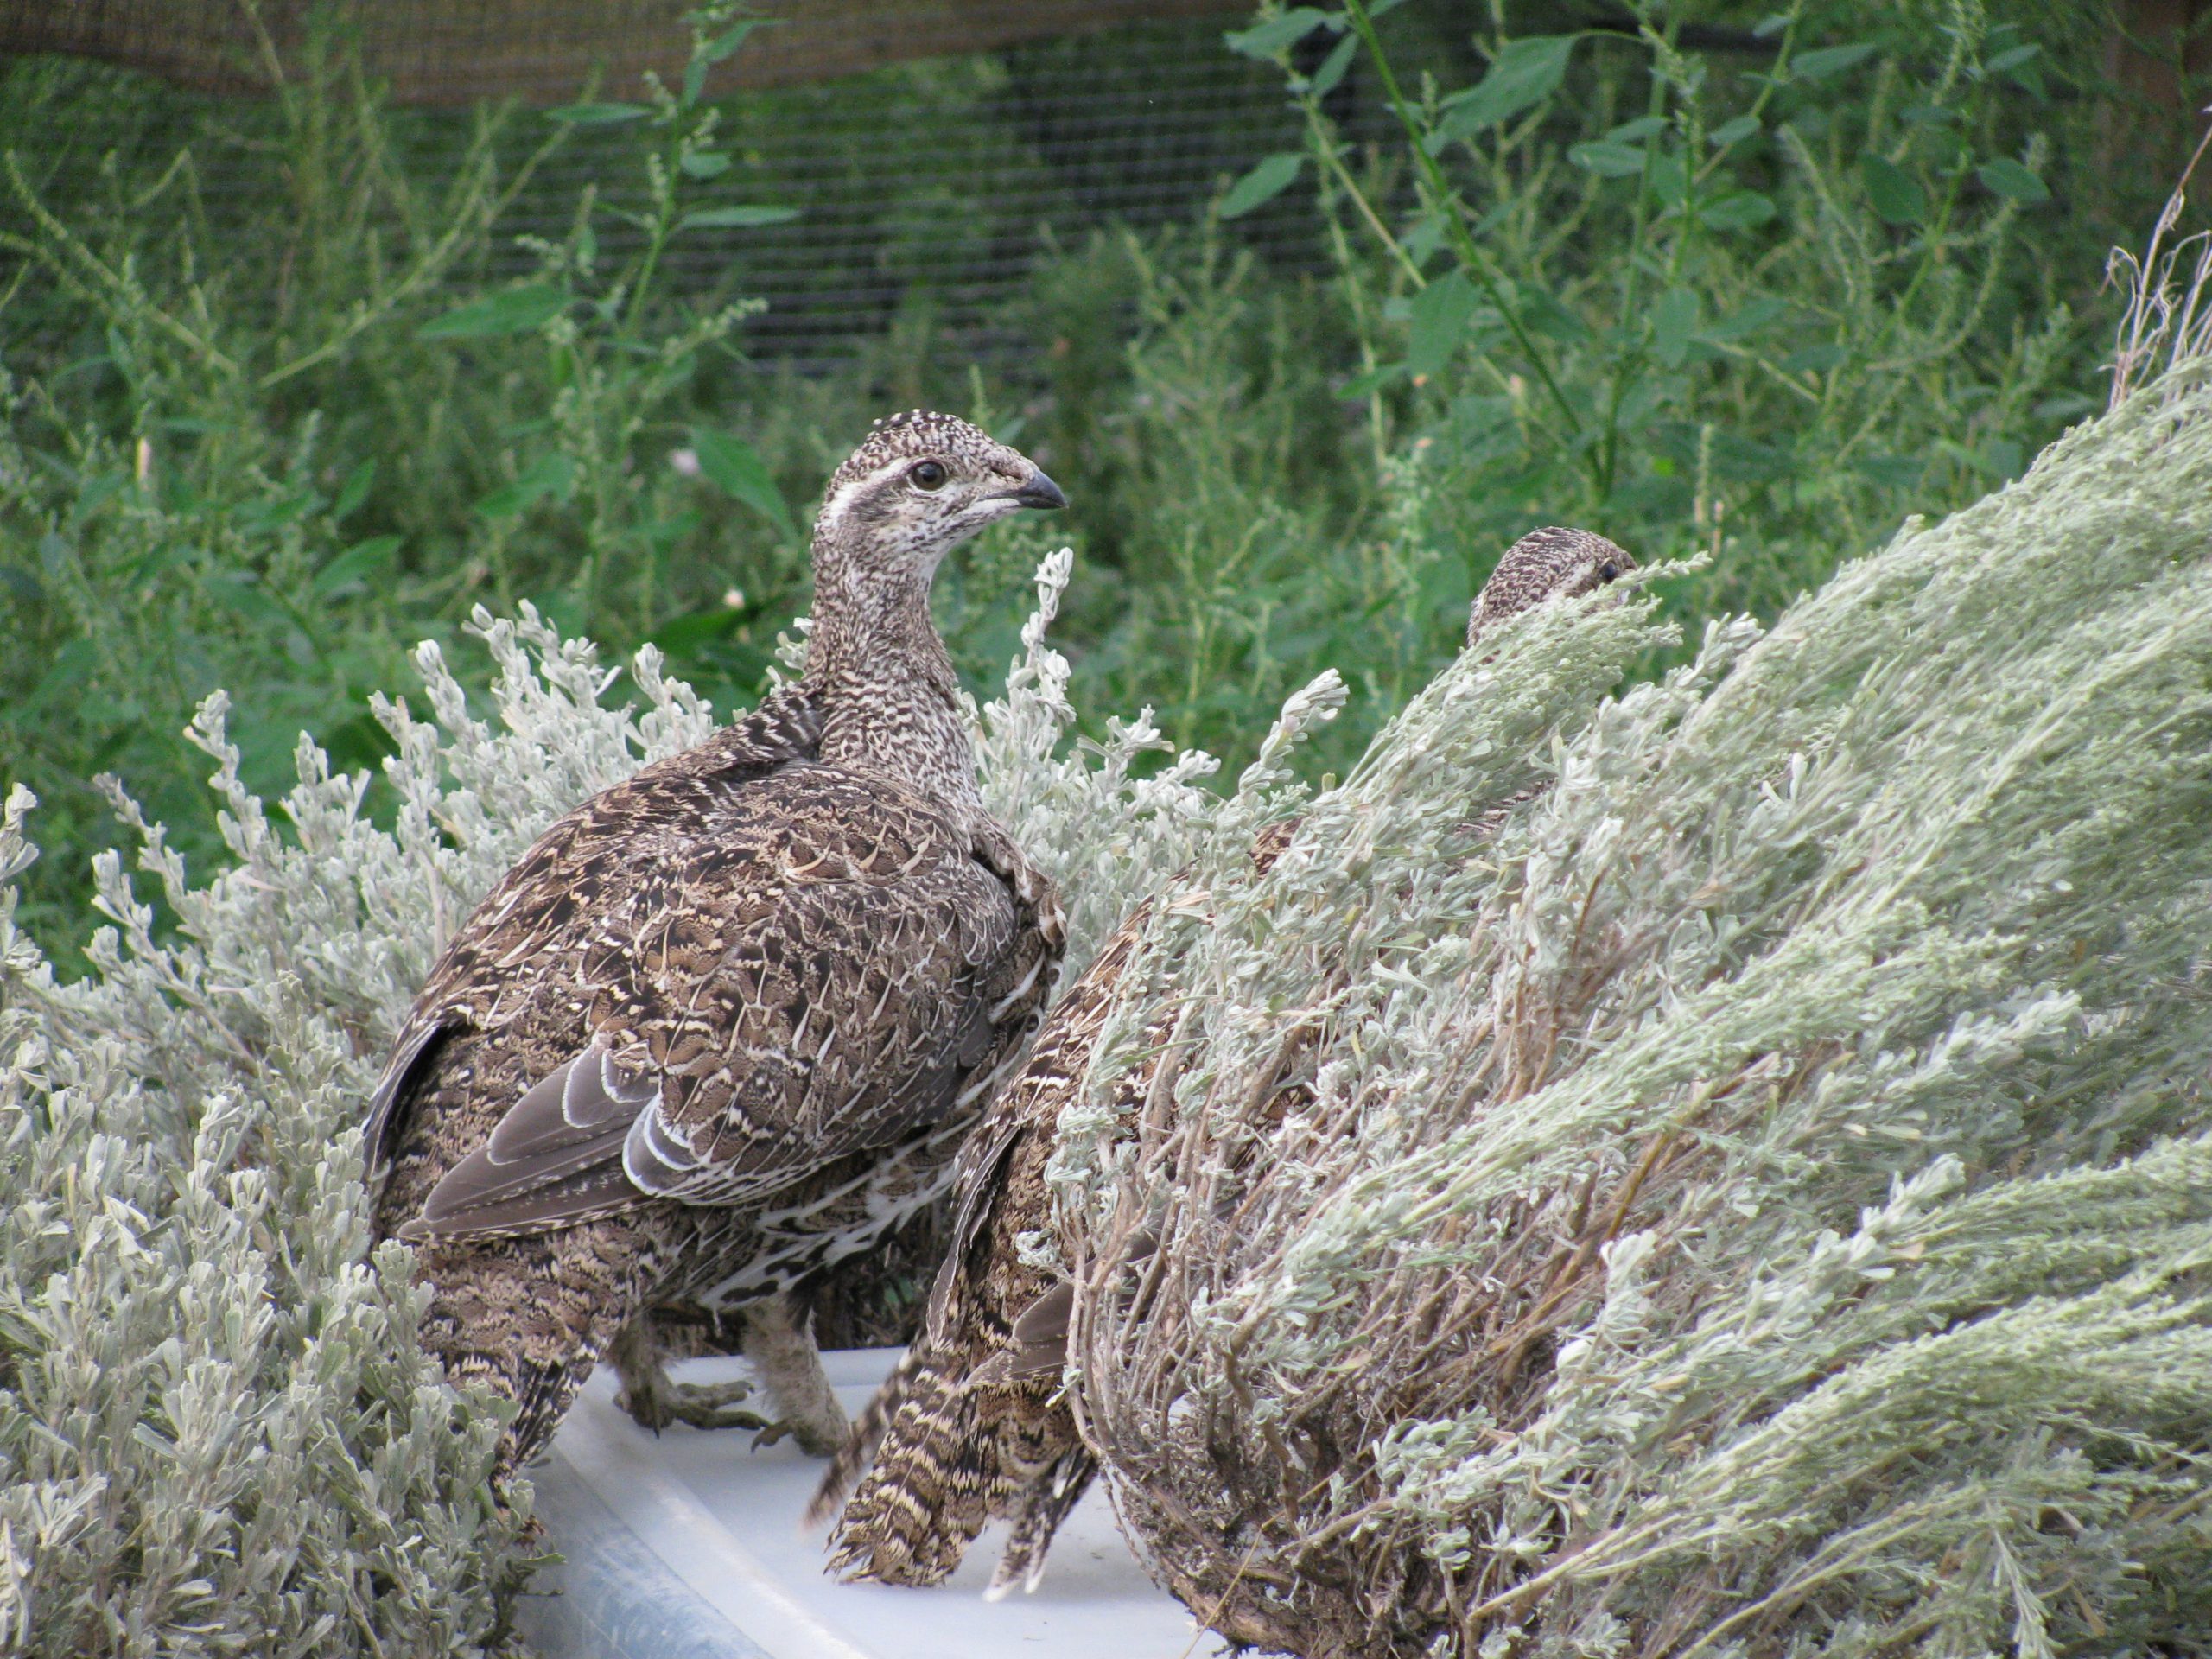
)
(928, 474)
(1608, 570)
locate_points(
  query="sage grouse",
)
(730, 1020)
(972, 1425)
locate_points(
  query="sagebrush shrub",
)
(217, 1433)
(1755, 1200)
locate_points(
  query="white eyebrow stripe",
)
(844, 495)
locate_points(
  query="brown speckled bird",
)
(728, 1021)
(972, 1426)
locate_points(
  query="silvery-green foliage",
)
(1750, 1198)
(216, 1432)
(1106, 835)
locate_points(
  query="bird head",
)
(921, 485)
(1556, 562)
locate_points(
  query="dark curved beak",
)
(1041, 492)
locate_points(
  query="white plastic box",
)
(686, 1545)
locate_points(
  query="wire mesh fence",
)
(924, 190)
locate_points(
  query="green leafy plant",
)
(1781, 296)
(269, 434)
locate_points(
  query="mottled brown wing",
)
(822, 967)
(854, 997)
(530, 915)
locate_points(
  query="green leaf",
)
(1759, 313)
(1607, 161)
(1740, 210)
(1440, 312)
(1815, 359)
(75, 666)
(1674, 324)
(551, 474)
(1333, 66)
(1523, 72)
(706, 164)
(1263, 183)
(597, 115)
(730, 465)
(708, 218)
(516, 311)
(2012, 180)
(26, 587)
(1541, 311)
(349, 571)
(1828, 61)
(1635, 132)
(1892, 472)
(353, 491)
(1894, 194)
(1733, 132)
(733, 37)
(1265, 40)
(1364, 385)
(240, 592)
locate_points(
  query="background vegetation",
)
(1708, 281)
(1698, 277)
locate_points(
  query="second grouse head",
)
(921, 485)
(1555, 563)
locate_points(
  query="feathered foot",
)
(656, 1399)
(779, 1344)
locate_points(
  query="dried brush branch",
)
(1756, 1206)
(2166, 322)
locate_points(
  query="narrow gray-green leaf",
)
(711, 218)
(512, 311)
(1440, 312)
(597, 115)
(1523, 72)
(1894, 194)
(551, 474)
(1819, 64)
(1333, 66)
(350, 570)
(731, 465)
(1673, 323)
(2012, 180)
(1263, 183)
(1739, 210)
(1264, 39)
(1607, 161)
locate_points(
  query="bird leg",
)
(657, 1400)
(779, 1343)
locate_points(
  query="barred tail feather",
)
(1044, 1504)
(851, 1459)
(937, 1478)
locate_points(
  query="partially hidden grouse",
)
(728, 1021)
(972, 1425)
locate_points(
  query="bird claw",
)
(807, 1436)
(663, 1401)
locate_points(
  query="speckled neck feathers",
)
(920, 486)
(888, 695)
